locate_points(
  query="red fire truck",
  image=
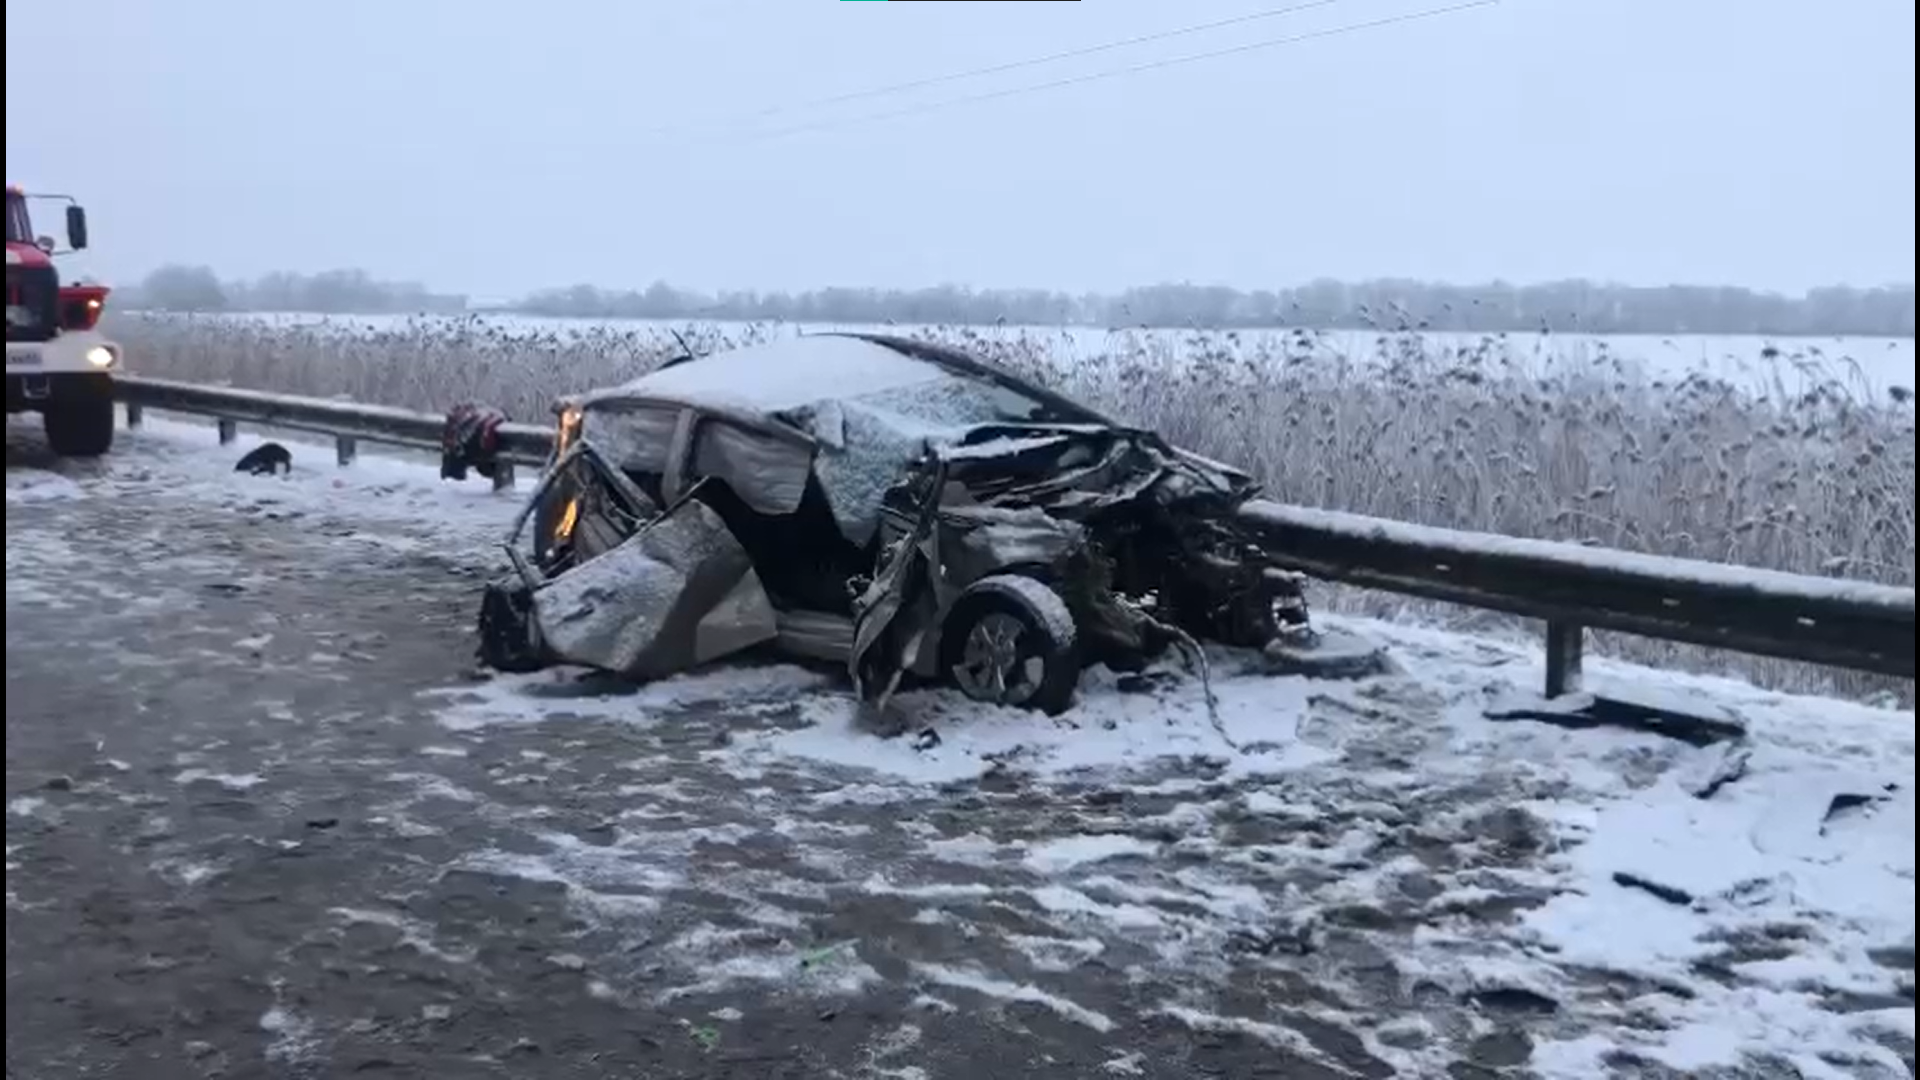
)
(58, 363)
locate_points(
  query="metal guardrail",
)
(1838, 623)
(348, 422)
(1854, 625)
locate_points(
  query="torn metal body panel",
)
(671, 596)
(626, 585)
(1138, 541)
(901, 508)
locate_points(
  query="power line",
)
(1054, 58)
(1114, 73)
(1035, 61)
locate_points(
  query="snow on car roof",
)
(870, 406)
(780, 376)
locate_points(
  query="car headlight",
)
(101, 356)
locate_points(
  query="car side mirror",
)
(76, 227)
(44, 243)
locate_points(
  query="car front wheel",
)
(1011, 641)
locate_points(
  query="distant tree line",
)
(331, 292)
(1387, 304)
(1565, 306)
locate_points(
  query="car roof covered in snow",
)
(863, 405)
(778, 376)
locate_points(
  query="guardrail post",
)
(1566, 646)
(229, 430)
(133, 415)
(502, 475)
(345, 449)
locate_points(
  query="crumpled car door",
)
(677, 593)
(888, 627)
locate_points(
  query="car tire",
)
(507, 638)
(1020, 629)
(80, 427)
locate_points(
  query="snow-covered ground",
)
(1586, 903)
(185, 454)
(1653, 901)
(1694, 907)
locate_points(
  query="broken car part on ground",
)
(901, 508)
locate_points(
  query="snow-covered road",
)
(264, 820)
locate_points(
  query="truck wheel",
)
(1010, 640)
(80, 427)
(507, 638)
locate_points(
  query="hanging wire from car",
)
(1114, 73)
(1196, 657)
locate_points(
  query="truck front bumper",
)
(71, 366)
(83, 352)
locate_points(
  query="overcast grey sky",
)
(492, 147)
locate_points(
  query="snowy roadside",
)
(1638, 899)
(182, 458)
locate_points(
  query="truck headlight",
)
(102, 356)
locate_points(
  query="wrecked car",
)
(901, 508)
